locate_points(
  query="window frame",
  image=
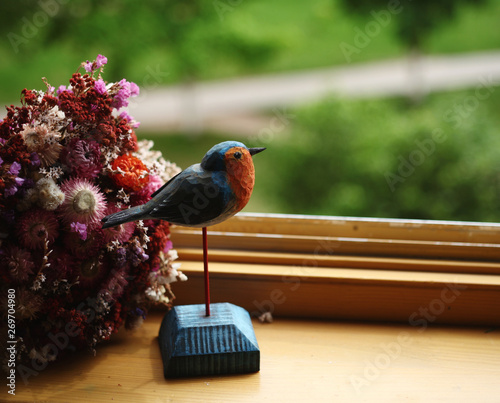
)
(348, 268)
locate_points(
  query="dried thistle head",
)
(41, 140)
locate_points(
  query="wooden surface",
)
(348, 293)
(301, 361)
(363, 269)
(349, 236)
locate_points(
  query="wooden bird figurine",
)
(203, 194)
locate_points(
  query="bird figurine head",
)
(227, 154)
(203, 194)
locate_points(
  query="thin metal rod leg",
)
(205, 272)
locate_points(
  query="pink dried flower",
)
(83, 202)
(83, 156)
(144, 194)
(120, 233)
(36, 226)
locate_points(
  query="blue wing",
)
(194, 198)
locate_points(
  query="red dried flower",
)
(132, 175)
(160, 239)
(19, 263)
(36, 226)
(29, 97)
(87, 248)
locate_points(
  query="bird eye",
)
(237, 155)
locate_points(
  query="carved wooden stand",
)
(196, 340)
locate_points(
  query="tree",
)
(415, 21)
(189, 39)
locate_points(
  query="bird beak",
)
(254, 151)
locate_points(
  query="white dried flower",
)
(50, 196)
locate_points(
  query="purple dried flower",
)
(100, 86)
(122, 96)
(62, 88)
(80, 229)
(9, 216)
(121, 256)
(28, 183)
(83, 157)
(125, 116)
(127, 90)
(134, 89)
(137, 255)
(15, 168)
(35, 160)
(96, 64)
(88, 66)
(100, 61)
(138, 312)
(11, 191)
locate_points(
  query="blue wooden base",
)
(193, 344)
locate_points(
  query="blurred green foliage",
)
(340, 157)
(415, 19)
(374, 158)
(387, 158)
(195, 39)
(185, 40)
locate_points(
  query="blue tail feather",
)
(122, 217)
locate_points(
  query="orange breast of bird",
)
(241, 175)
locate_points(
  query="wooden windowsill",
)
(338, 288)
(301, 360)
